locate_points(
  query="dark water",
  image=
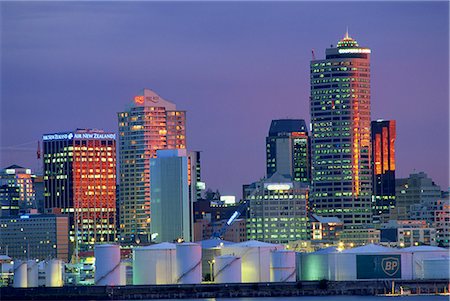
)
(326, 298)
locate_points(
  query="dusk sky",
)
(232, 66)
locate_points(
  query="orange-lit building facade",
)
(149, 124)
(340, 134)
(383, 169)
(80, 180)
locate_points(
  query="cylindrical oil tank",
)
(107, 264)
(282, 266)
(255, 257)
(189, 263)
(53, 273)
(123, 274)
(32, 273)
(227, 269)
(314, 267)
(436, 268)
(154, 264)
(20, 274)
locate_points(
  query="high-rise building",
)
(80, 180)
(277, 210)
(21, 177)
(287, 149)
(35, 236)
(149, 124)
(417, 189)
(383, 169)
(340, 134)
(171, 210)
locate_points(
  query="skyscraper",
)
(80, 180)
(383, 169)
(340, 139)
(149, 124)
(171, 210)
(287, 149)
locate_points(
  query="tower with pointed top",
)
(340, 134)
(149, 124)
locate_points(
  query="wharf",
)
(235, 290)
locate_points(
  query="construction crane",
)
(234, 216)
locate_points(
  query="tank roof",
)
(423, 249)
(370, 248)
(254, 243)
(160, 246)
(213, 243)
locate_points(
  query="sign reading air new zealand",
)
(378, 266)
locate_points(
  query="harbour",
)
(235, 290)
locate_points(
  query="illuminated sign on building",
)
(354, 50)
(69, 136)
(140, 99)
(278, 186)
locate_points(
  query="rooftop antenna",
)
(313, 54)
(346, 33)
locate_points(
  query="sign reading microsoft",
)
(378, 266)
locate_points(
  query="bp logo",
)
(390, 265)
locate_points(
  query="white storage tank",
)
(189, 263)
(154, 264)
(20, 274)
(227, 269)
(53, 273)
(436, 268)
(255, 259)
(315, 265)
(421, 253)
(32, 273)
(282, 266)
(370, 262)
(107, 264)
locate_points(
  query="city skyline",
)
(241, 65)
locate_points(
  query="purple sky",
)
(232, 66)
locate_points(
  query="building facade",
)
(149, 124)
(340, 134)
(9, 200)
(80, 180)
(442, 223)
(35, 236)
(417, 189)
(171, 210)
(383, 169)
(277, 210)
(407, 233)
(287, 149)
(22, 178)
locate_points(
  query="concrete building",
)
(325, 228)
(21, 177)
(9, 199)
(150, 123)
(287, 149)
(80, 180)
(35, 236)
(383, 169)
(171, 211)
(418, 188)
(277, 210)
(236, 232)
(340, 134)
(442, 223)
(360, 236)
(407, 233)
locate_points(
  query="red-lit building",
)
(80, 180)
(149, 123)
(383, 169)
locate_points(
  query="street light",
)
(211, 263)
